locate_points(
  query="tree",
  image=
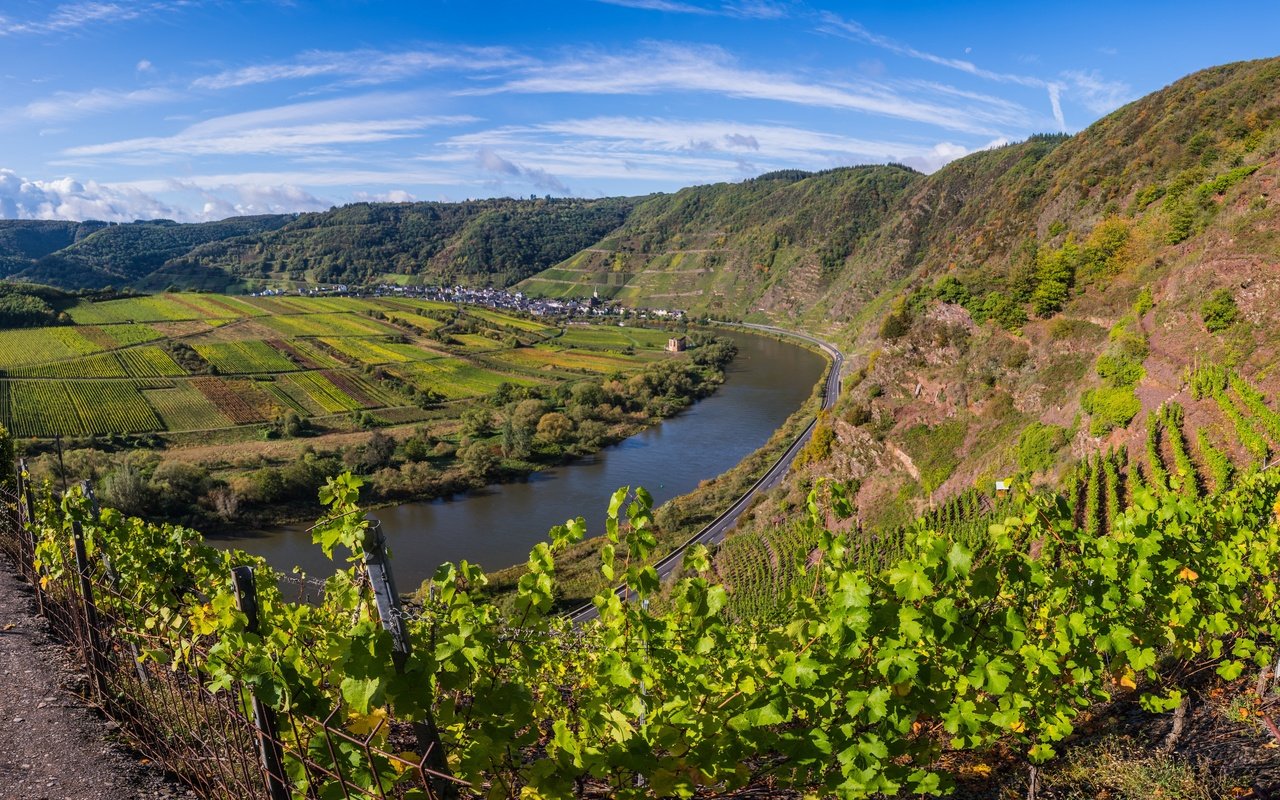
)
(554, 427)
(516, 440)
(477, 422)
(478, 460)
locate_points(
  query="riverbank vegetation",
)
(230, 412)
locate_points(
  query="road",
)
(718, 528)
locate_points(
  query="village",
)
(500, 299)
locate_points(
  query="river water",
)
(498, 526)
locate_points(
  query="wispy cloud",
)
(70, 105)
(743, 9)
(1097, 94)
(71, 17)
(670, 6)
(363, 67)
(666, 67)
(297, 129)
(582, 148)
(489, 161)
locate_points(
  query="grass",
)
(935, 449)
(1121, 768)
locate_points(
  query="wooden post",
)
(27, 511)
(264, 719)
(378, 566)
(94, 657)
(112, 578)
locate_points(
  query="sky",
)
(203, 109)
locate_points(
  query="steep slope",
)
(778, 239)
(1028, 306)
(23, 242)
(484, 241)
(122, 254)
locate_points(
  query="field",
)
(551, 358)
(196, 362)
(236, 358)
(613, 338)
(455, 378)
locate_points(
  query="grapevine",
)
(878, 672)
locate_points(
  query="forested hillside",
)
(477, 242)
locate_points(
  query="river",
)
(498, 526)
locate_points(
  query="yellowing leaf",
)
(1127, 681)
(1188, 574)
(365, 724)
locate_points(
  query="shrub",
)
(1037, 445)
(1219, 311)
(1111, 407)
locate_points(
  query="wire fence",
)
(221, 743)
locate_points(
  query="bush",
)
(1111, 407)
(1038, 444)
(1219, 311)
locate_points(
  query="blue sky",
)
(201, 110)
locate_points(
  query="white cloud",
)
(1097, 94)
(393, 196)
(70, 105)
(302, 129)
(74, 16)
(836, 25)
(756, 9)
(659, 5)
(68, 198)
(681, 150)
(490, 161)
(742, 9)
(363, 67)
(662, 67)
(145, 66)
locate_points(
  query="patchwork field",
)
(197, 362)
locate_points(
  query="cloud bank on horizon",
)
(191, 110)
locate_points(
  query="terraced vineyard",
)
(1237, 430)
(195, 362)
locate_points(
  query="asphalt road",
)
(718, 528)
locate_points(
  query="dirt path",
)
(52, 746)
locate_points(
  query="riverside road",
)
(718, 528)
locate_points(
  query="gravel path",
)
(53, 746)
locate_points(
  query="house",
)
(676, 344)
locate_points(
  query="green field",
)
(196, 361)
(235, 358)
(455, 378)
(613, 338)
(510, 321)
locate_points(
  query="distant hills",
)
(476, 242)
(822, 246)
